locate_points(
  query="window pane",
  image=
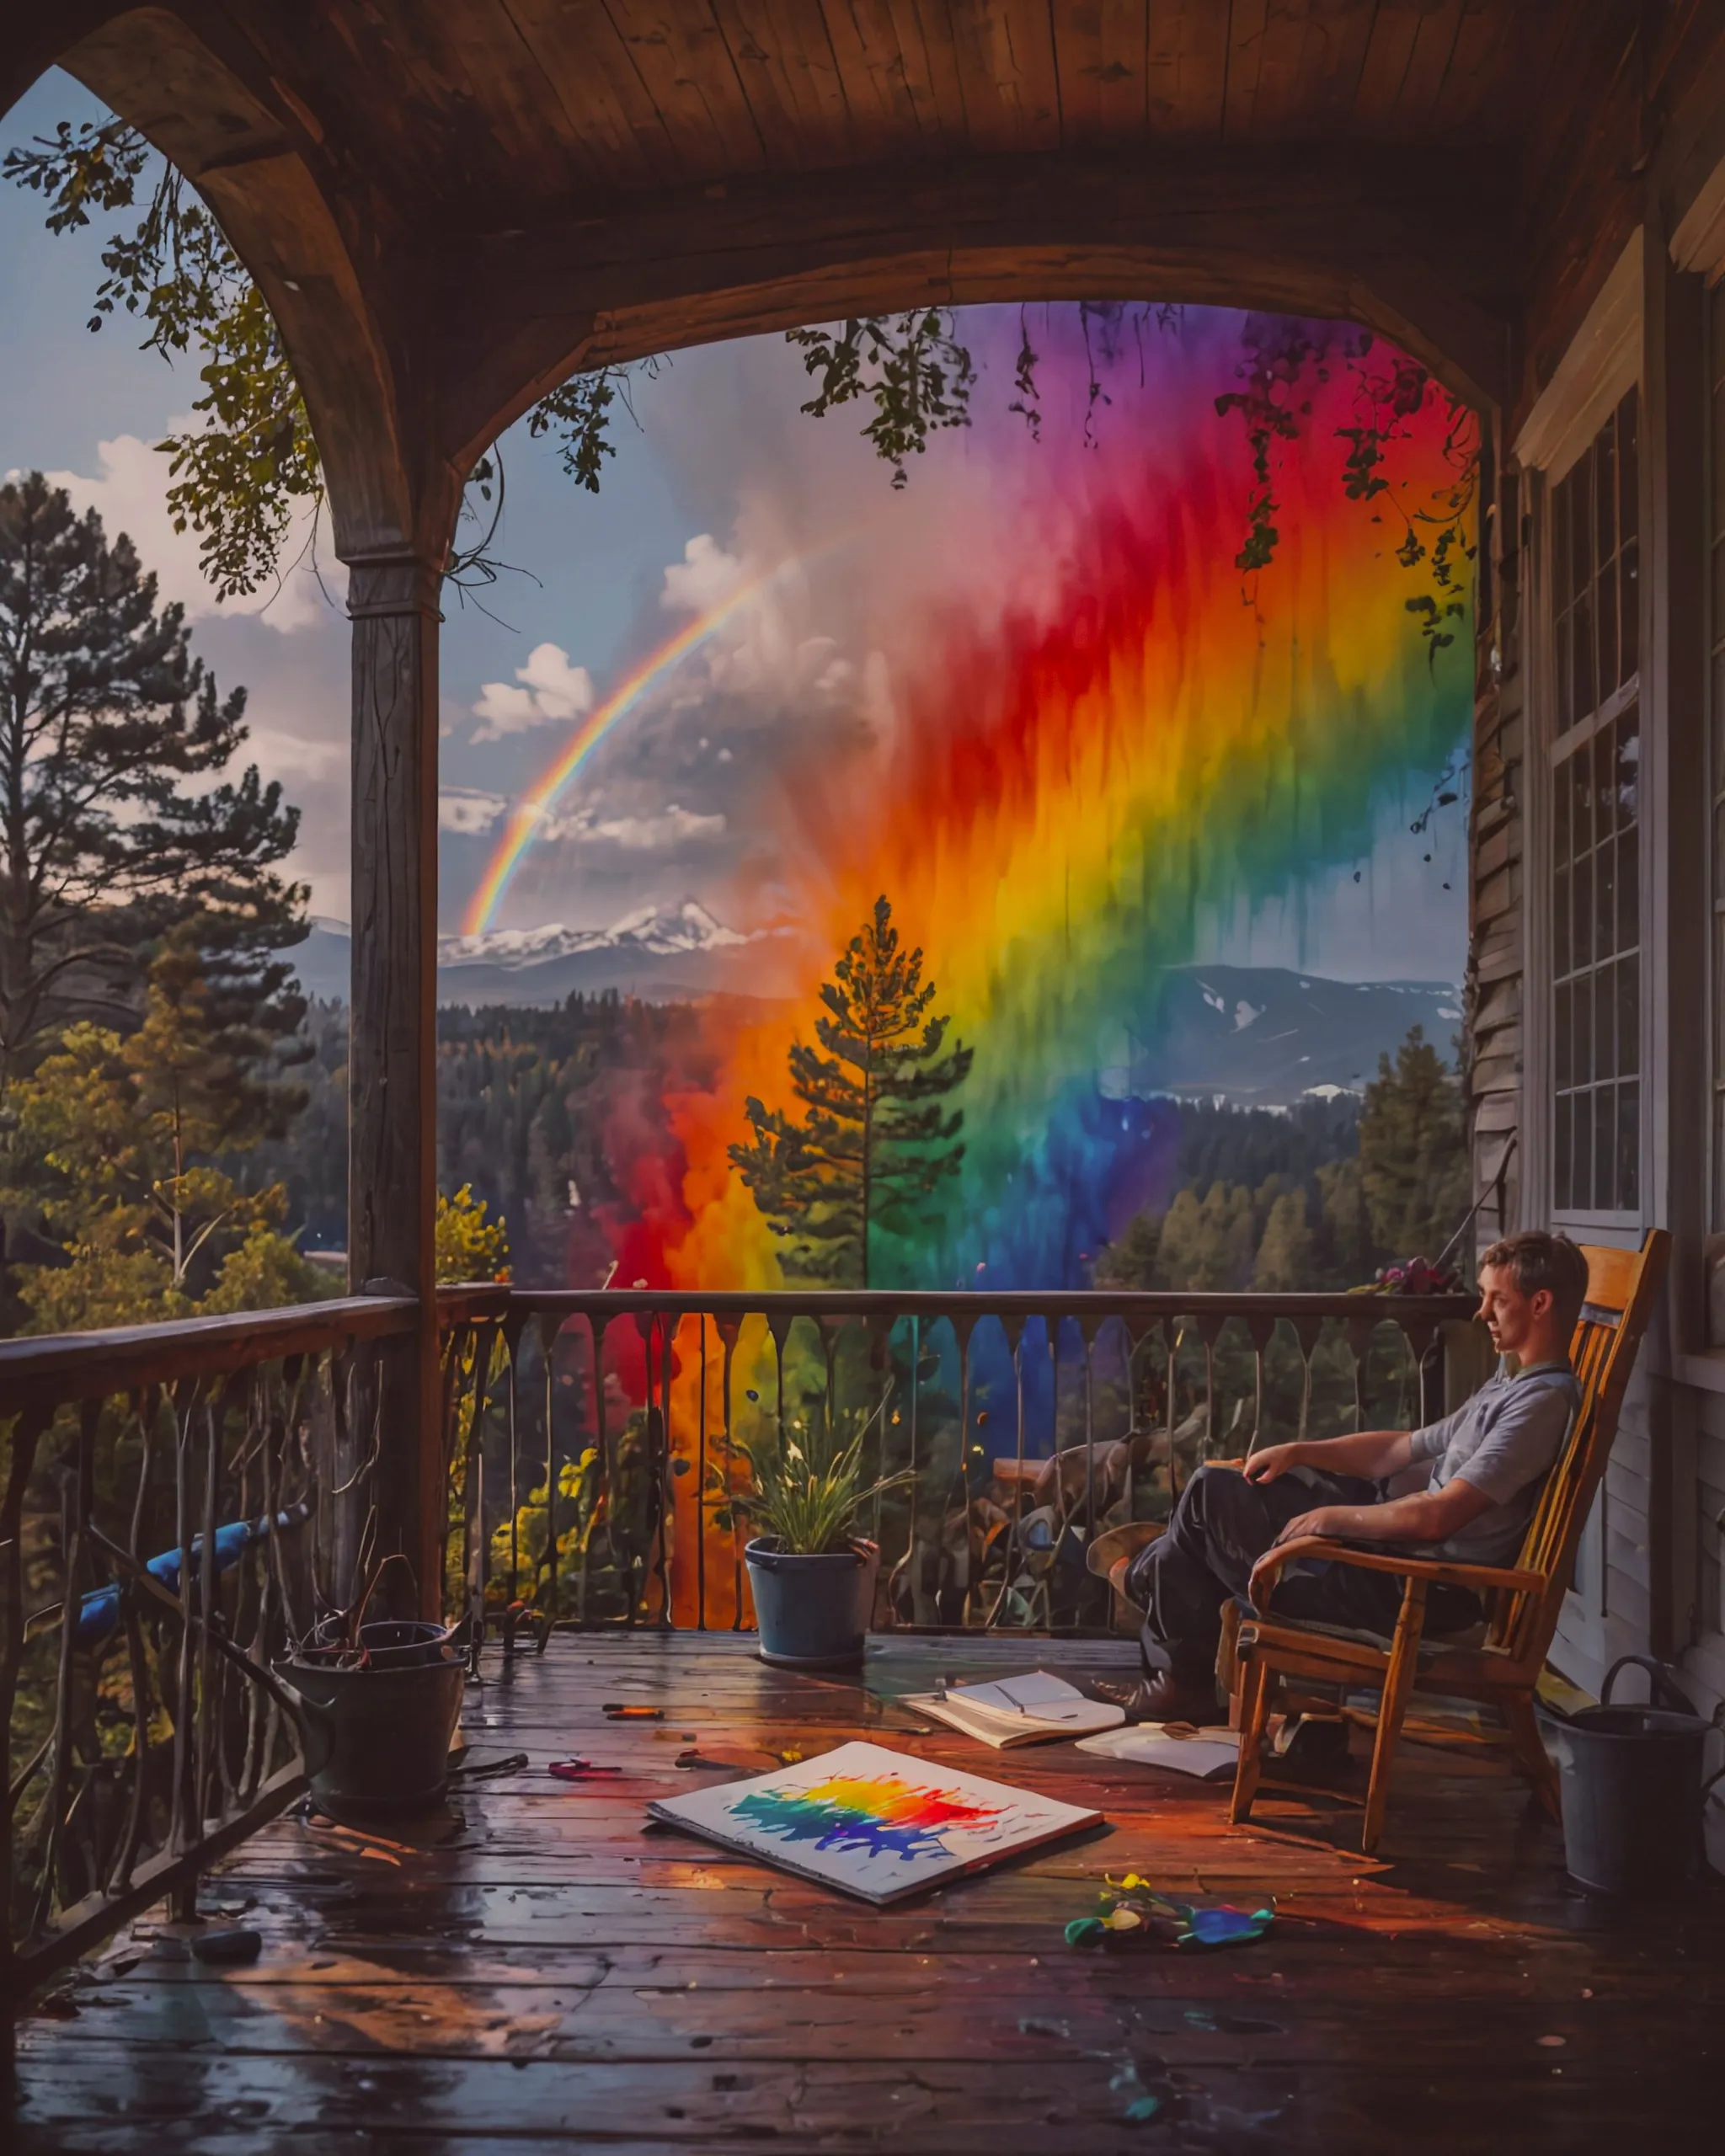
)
(1629, 889)
(1606, 495)
(1587, 687)
(1628, 972)
(1603, 747)
(1564, 643)
(1605, 1148)
(1629, 764)
(1581, 1180)
(1628, 612)
(1606, 901)
(1628, 466)
(1581, 537)
(1560, 924)
(1563, 1174)
(1578, 771)
(1628, 1192)
(1581, 912)
(1562, 1027)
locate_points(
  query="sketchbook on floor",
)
(1210, 1754)
(1008, 1710)
(873, 1823)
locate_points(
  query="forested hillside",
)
(556, 1119)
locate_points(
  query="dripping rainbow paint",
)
(870, 1822)
(1093, 754)
(872, 1816)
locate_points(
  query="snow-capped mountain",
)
(665, 953)
(661, 930)
(1261, 1037)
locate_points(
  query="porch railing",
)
(588, 1441)
(169, 1517)
(588, 1485)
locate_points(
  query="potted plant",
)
(378, 1703)
(811, 1572)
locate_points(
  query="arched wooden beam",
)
(248, 149)
(1289, 232)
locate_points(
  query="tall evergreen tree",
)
(874, 1143)
(123, 1143)
(1413, 1162)
(111, 834)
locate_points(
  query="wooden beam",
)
(393, 599)
(518, 311)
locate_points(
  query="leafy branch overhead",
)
(236, 475)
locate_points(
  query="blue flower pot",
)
(812, 1612)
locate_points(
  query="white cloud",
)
(288, 756)
(675, 826)
(129, 495)
(468, 810)
(554, 690)
(705, 577)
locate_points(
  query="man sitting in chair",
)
(1488, 1461)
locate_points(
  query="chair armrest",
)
(1444, 1570)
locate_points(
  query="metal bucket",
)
(1631, 1788)
(813, 1611)
(378, 1737)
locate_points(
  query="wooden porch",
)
(536, 1967)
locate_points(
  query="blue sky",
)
(724, 463)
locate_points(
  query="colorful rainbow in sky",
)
(645, 675)
(1078, 787)
(881, 1816)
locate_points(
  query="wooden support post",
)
(392, 1057)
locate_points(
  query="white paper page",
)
(1147, 1744)
(1036, 1695)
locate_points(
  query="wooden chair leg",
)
(1530, 1753)
(1255, 1690)
(1228, 1671)
(1398, 1685)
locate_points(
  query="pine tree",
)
(1286, 1253)
(874, 1143)
(123, 1139)
(110, 832)
(1413, 1151)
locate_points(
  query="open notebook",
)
(1028, 1709)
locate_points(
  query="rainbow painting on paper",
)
(873, 1823)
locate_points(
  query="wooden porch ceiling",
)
(452, 207)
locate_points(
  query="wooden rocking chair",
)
(1275, 1657)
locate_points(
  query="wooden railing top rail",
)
(69, 1366)
(73, 1366)
(1414, 1313)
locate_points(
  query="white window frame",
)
(1602, 362)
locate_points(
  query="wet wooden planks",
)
(536, 1968)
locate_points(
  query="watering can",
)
(376, 1733)
(1631, 1786)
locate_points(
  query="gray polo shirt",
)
(1503, 1441)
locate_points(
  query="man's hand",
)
(1326, 1519)
(1274, 1460)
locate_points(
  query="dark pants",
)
(1221, 1526)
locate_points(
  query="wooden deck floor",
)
(539, 1969)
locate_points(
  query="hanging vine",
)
(235, 475)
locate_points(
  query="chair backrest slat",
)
(1623, 1287)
